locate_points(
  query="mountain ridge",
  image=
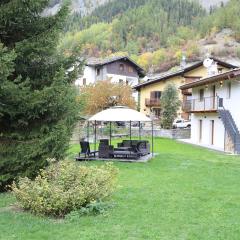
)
(85, 7)
(82, 7)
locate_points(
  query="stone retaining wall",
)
(172, 133)
(167, 133)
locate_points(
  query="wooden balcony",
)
(207, 104)
(152, 102)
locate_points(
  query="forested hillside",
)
(155, 33)
(104, 13)
(81, 7)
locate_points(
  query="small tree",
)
(105, 94)
(170, 104)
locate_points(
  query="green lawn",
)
(184, 193)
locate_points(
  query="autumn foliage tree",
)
(105, 94)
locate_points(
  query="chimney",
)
(183, 63)
(213, 69)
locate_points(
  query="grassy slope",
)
(184, 193)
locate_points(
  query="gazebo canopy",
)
(119, 114)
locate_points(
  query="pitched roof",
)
(181, 72)
(207, 80)
(98, 62)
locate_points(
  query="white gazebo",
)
(120, 114)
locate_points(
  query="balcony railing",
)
(206, 104)
(152, 102)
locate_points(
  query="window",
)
(229, 90)
(201, 94)
(220, 70)
(98, 71)
(179, 121)
(121, 67)
(130, 69)
(156, 95)
(84, 81)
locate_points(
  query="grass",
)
(186, 192)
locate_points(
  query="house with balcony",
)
(150, 91)
(214, 109)
(118, 69)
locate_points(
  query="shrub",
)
(65, 187)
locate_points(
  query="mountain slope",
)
(87, 6)
(155, 33)
(145, 25)
(82, 7)
(211, 3)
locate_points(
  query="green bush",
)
(64, 187)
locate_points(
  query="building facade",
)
(150, 91)
(214, 109)
(117, 69)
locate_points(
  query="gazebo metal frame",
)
(94, 121)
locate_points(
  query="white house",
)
(117, 69)
(215, 112)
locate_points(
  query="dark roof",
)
(222, 76)
(98, 62)
(181, 72)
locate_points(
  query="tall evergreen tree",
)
(170, 104)
(37, 102)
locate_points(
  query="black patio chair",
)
(105, 150)
(85, 150)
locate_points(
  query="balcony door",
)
(201, 95)
(213, 96)
(155, 95)
(157, 113)
(155, 98)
